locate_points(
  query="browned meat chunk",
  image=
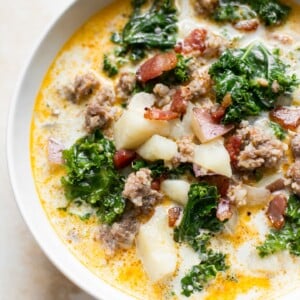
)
(138, 190)
(293, 174)
(277, 185)
(258, 149)
(174, 214)
(224, 211)
(186, 149)
(126, 85)
(83, 86)
(97, 116)
(120, 235)
(295, 144)
(55, 149)
(105, 96)
(276, 211)
(247, 25)
(206, 6)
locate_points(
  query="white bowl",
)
(18, 152)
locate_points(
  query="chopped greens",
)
(270, 12)
(155, 28)
(253, 78)
(198, 224)
(92, 178)
(109, 67)
(288, 238)
(279, 132)
(158, 168)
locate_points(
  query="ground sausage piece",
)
(120, 235)
(293, 174)
(276, 211)
(295, 145)
(206, 6)
(174, 214)
(97, 116)
(186, 149)
(105, 96)
(258, 149)
(138, 190)
(224, 211)
(126, 85)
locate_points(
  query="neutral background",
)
(25, 273)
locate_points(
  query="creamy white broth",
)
(251, 276)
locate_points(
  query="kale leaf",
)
(92, 178)
(198, 224)
(253, 78)
(201, 274)
(270, 12)
(109, 67)
(158, 169)
(155, 28)
(288, 238)
(279, 132)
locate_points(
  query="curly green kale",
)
(155, 28)
(270, 12)
(200, 275)
(248, 76)
(279, 132)
(158, 169)
(109, 67)
(287, 238)
(92, 178)
(198, 224)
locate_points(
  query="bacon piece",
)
(124, 158)
(221, 182)
(195, 41)
(276, 185)
(218, 114)
(205, 127)
(156, 66)
(276, 211)
(155, 185)
(247, 25)
(288, 118)
(174, 214)
(179, 104)
(233, 146)
(55, 149)
(158, 114)
(224, 211)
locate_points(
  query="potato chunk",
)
(156, 247)
(132, 129)
(176, 190)
(214, 157)
(158, 147)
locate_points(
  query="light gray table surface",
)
(25, 272)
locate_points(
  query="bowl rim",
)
(86, 280)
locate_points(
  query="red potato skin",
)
(156, 66)
(160, 115)
(286, 117)
(123, 158)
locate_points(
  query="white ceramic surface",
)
(18, 152)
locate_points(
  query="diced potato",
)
(158, 147)
(214, 157)
(140, 101)
(176, 190)
(257, 195)
(132, 130)
(156, 247)
(183, 128)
